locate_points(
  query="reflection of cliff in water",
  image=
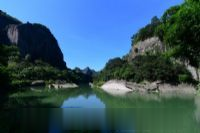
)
(197, 111)
(134, 112)
(153, 113)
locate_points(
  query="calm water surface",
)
(93, 109)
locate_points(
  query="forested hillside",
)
(161, 49)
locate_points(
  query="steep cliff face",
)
(6, 20)
(152, 45)
(32, 39)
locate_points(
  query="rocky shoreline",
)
(56, 85)
(62, 86)
(121, 87)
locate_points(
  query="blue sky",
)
(89, 32)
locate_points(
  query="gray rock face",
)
(152, 44)
(12, 34)
(155, 45)
(32, 39)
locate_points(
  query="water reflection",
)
(96, 110)
(154, 116)
(197, 111)
(89, 113)
(83, 113)
(139, 113)
(83, 102)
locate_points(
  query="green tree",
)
(147, 32)
(150, 68)
(182, 32)
(3, 56)
(113, 63)
(167, 16)
(4, 76)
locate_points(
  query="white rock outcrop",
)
(63, 86)
(116, 87)
(121, 87)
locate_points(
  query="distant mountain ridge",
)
(88, 71)
(34, 40)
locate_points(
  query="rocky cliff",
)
(32, 39)
(151, 45)
(155, 45)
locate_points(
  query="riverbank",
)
(121, 87)
(57, 84)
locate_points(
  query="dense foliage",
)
(181, 31)
(150, 68)
(146, 32)
(4, 76)
(17, 71)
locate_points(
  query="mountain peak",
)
(35, 40)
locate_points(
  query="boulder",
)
(116, 87)
(153, 87)
(91, 85)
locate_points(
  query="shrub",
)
(20, 83)
(21, 71)
(183, 78)
(150, 68)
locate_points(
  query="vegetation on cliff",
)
(146, 32)
(4, 76)
(30, 52)
(149, 68)
(178, 29)
(181, 32)
(18, 72)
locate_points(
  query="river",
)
(96, 111)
